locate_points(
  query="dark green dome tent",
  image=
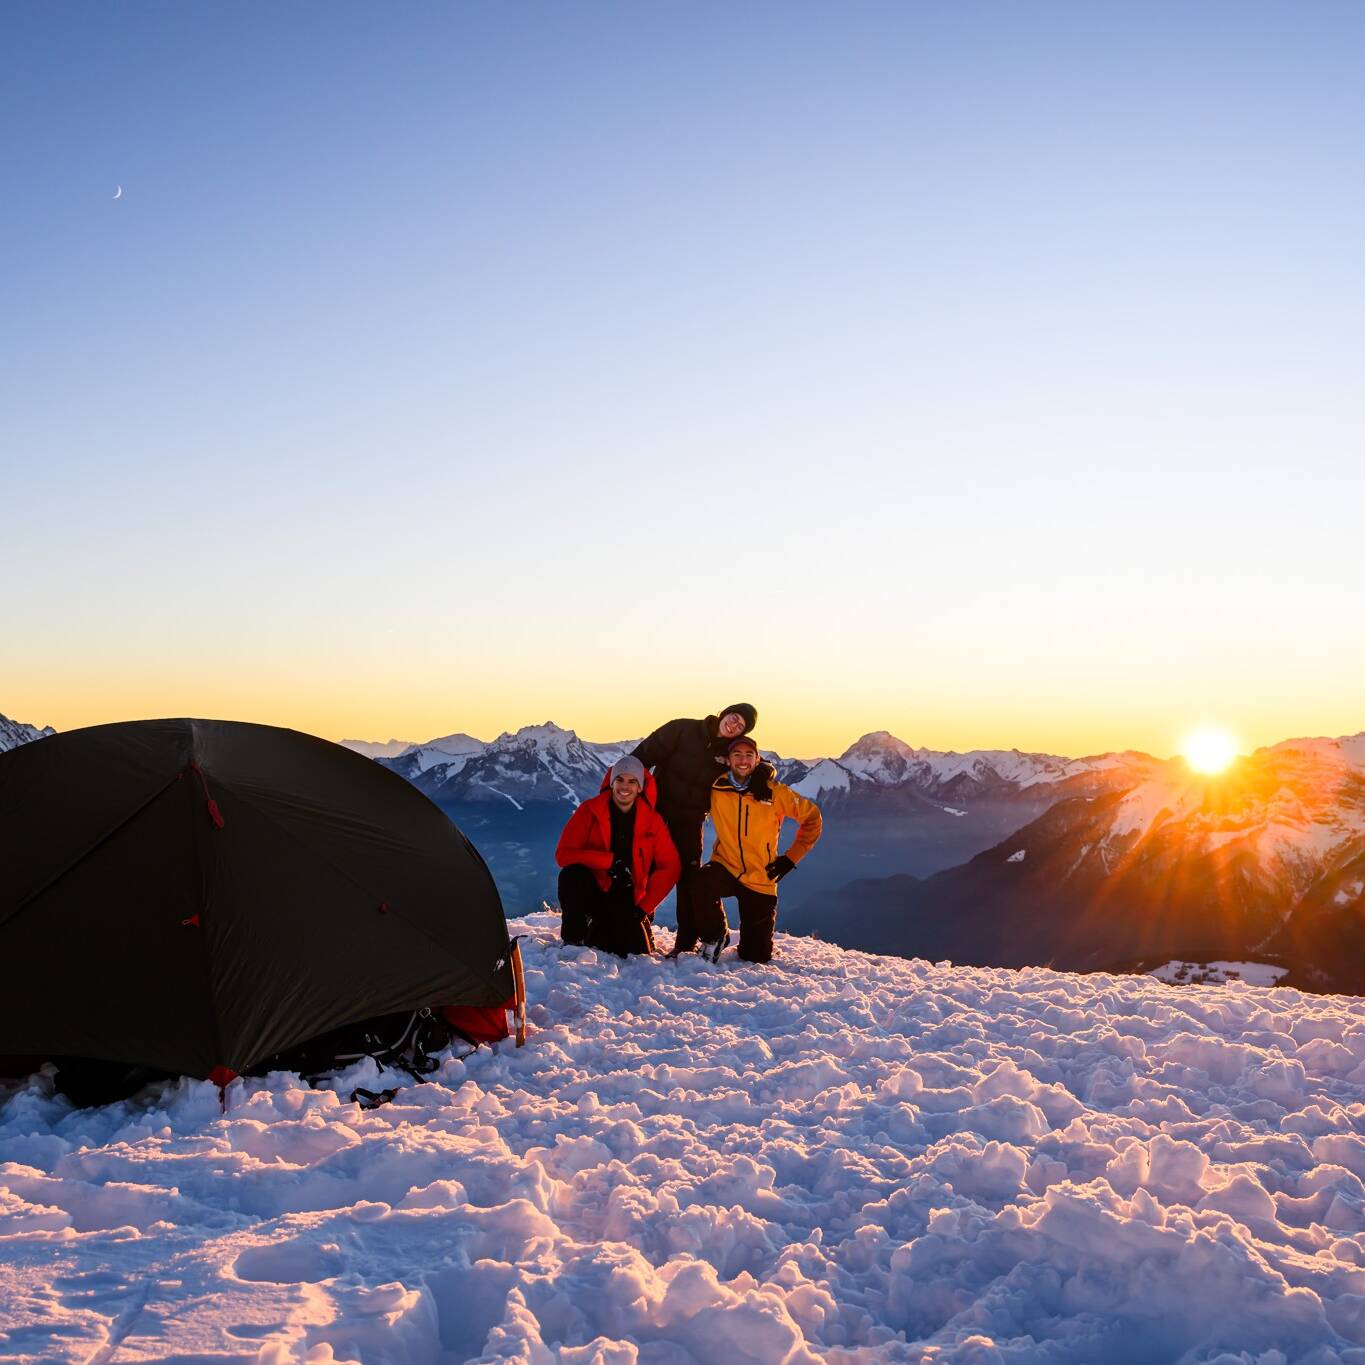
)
(198, 895)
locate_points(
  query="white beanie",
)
(629, 766)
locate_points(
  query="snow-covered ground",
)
(837, 1157)
(1216, 973)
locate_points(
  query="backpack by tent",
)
(199, 895)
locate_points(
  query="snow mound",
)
(838, 1157)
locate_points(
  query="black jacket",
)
(687, 756)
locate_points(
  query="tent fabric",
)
(198, 894)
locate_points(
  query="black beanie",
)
(748, 713)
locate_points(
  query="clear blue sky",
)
(985, 372)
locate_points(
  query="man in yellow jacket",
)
(748, 806)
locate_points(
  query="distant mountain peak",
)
(455, 744)
(878, 741)
(1348, 749)
(13, 733)
(379, 748)
(888, 761)
(825, 775)
(547, 730)
(428, 752)
(542, 762)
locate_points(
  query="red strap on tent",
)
(478, 1023)
(214, 813)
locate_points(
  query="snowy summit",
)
(837, 1158)
(13, 733)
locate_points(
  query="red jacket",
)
(654, 861)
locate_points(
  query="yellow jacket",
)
(747, 828)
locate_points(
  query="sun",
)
(1209, 749)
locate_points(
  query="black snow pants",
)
(609, 920)
(685, 831)
(757, 912)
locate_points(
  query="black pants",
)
(685, 831)
(609, 920)
(757, 912)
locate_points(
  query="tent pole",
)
(519, 986)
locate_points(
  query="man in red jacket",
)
(617, 863)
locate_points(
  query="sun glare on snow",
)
(1209, 749)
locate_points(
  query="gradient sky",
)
(987, 373)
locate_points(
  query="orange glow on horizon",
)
(801, 714)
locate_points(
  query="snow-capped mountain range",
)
(886, 761)
(896, 808)
(535, 763)
(540, 762)
(13, 733)
(1268, 857)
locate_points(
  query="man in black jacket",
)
(687, 756)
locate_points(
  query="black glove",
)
(621, 875)
(779, 867)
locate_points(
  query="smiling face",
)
(731, 724)
(743, 758)
(624, 790)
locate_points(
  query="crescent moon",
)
(118, 193)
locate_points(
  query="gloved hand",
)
(621, 874)
(779, 867)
